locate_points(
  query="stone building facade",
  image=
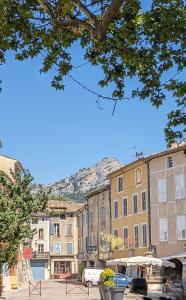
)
(168, 204)
(99, 222)
(63, 239)
(129, 208)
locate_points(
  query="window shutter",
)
(179, 186)
(162, 190)
(51, 228)
(57, 248)
(181, 227)
(163, 229)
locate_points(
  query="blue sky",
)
(54, 133)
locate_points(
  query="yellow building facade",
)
(129, 207)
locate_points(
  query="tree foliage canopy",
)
(125, 40)
(18, 204)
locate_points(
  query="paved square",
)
(53, 290)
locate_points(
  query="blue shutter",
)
(57, 248)
(51, 228)
(69, 248)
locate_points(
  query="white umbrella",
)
(117, 262)
(148, 260)
(140, 261)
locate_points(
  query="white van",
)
(91, 276)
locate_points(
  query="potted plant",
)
(106, 281)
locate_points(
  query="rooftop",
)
(67, 206)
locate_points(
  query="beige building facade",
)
(82, 224)
(99, 223)
(168, 203)
(40, 261)
(63, 239)
(129, 204)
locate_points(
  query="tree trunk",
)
(1, 280)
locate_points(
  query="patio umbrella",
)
(148, 260)
(140, 261)
(117, 262)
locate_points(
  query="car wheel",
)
(89, 284)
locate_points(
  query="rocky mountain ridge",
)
(79, 184)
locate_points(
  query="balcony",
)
(40, 255)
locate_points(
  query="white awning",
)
(117, 262)
(141, 261)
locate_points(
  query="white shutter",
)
(181, 227)
(179, 186)
(162, 190)
(163, 229)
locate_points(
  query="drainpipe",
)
(110, 207)
(98, 233)
(88, 234)
(149, 207)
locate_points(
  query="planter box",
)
(117, 293)
(106, 293)
(100, 285)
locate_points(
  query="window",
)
(57, 248)
(78, 221)
(179, 186)
(162, 190)
(35, 221)
(181, 227)
(91, 218)
(102, 215)
(62, 217)
(120, 184)
(40, 247)
(116, 233)
(56, 229)
(62, 267)
(138, 176)
(116, 209)
(69, 248)
(169, 162)
(136, 236)
(125, 236)
(84, 218)
(68, 229)
(163, 229)
(135, 203)
(41, 233)
(125, 207)
(143, 200)
(144, 234)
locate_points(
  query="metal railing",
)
(40, 255)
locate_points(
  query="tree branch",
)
(77, 25)
(108, 18)
(87, 12)
(45, 6)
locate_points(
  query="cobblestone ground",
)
(54, 290)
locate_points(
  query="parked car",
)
(122, 280)
(90, 277)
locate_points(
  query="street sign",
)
(27, 253)
(91, 248)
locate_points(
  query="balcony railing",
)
(40, 255)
